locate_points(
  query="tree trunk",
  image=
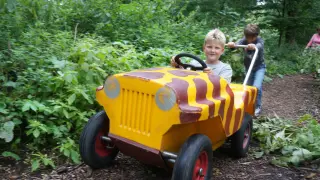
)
(280, 38)
(290, 28)
(281, 29)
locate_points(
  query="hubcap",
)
(201, 166)
(246, 137)
(101, 147)
(201, 172)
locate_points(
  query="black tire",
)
(197, 148)
(93, 150)
(240, 141)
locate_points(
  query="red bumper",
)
(138, 151)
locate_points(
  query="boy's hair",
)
(217, 36)
(251, 30)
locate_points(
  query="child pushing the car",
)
(213, 48)
(251, 32)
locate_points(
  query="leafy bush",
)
(310, 61)
(54, 101)
(55, 53)
(294, 142)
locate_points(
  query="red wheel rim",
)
(201, 166)
(101, 146)
(246, 137)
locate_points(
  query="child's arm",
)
(310, 42)
(174, 64)
(241, 42)
(232, 45)
(260, 44)
(226, 73)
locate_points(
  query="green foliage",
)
(10, 154)
(55, 53)
(55, 101)
(41, 159)
(294, 142)
(6, 131)
(68, 147)
(216, 13)
(295, 20)
(310, 63)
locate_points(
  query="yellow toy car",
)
(169, 117)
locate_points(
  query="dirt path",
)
(288, 97)
(292, 97)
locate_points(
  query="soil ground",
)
(287, 97)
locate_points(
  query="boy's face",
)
(251, 39)
(213, 51)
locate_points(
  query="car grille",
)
(136, 111)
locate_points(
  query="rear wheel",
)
(94, 151)
(240, 141)
(194, 161)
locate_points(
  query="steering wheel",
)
(185, 66)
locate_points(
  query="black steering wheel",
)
(185, 66)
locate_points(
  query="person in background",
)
(315, 39)
(251, 32)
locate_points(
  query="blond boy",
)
(213, 48)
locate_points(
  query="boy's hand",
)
(173, 62)
(231, 44)
(251, 46)
(208, 70)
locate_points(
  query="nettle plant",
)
(44, 109)
(291, 142)
(311, 62)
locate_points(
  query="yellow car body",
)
(157, 109)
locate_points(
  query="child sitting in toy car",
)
(213, 48)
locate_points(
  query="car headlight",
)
(165, 98)
(112, 87)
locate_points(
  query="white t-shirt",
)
(221, 69)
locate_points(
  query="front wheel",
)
(94, 151)
(194, 161)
